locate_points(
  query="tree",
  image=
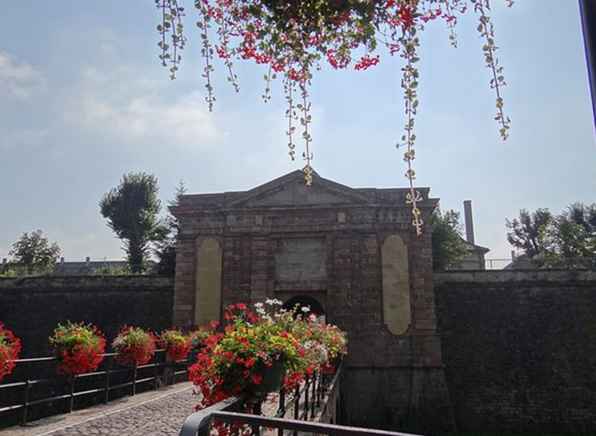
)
(132, 211)
(447, 243)
(530, 232)
(574, 233)
(562, 241)
(35, 252)
(166, 248)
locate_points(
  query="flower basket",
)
(10, 348)
(78, 347)
(272, 378)
(134, 346)
(176, 344)
(259, 350)
(197, 339)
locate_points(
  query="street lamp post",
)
(587, 9)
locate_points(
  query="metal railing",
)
(310, 403)
(544, 263)
(104, 380)
(256, 422)
(496, 263)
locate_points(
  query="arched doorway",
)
(300, 301)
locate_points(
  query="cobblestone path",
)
(152, 413)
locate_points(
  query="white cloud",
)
(121, 106)
(18, 79)
(24, 138)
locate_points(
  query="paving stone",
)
(148, 414)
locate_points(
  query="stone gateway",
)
(351, 250)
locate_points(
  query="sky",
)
(83, 100)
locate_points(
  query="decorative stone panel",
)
(397, 313)
(208, 281)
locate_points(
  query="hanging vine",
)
(171, 30)
(293, 38)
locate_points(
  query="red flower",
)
(134, 346)
(366, 62)
(78, 347)
(10, 348)
(257, 379)
(406, 16)
(176, 344)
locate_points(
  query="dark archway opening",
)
(301, 301)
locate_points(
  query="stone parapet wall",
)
(519, 349)
(33, 306)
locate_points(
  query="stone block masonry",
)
(519, 349)
(352, 250)
(515, 351)
(32, 307)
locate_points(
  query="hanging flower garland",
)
(10, 348)
(293, 38)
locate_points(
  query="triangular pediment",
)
(290, 190)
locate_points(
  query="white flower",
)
(305, 309)
(317, 350)
(258, 305)
(273, 302)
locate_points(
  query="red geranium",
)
(134, 346)
(78, 347)
(10, 347)
(176, 344)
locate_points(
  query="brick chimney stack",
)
(469, 221)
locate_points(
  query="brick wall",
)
(32, 307)
(520, 349)
(283, 240)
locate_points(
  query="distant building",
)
(474, 259)
(89, 267)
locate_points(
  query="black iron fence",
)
(57, 394)
(257, 422)
(313, 407)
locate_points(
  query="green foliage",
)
(576, 231)
(529, 233)
(448, 246)
(166, 248)
(109, 270)
(567, 240)
(8, 273)
(71, 334)
(34, 253)
(132, 211)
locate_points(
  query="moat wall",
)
(518, 347)
(32, 307)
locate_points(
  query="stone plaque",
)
(301, 262)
